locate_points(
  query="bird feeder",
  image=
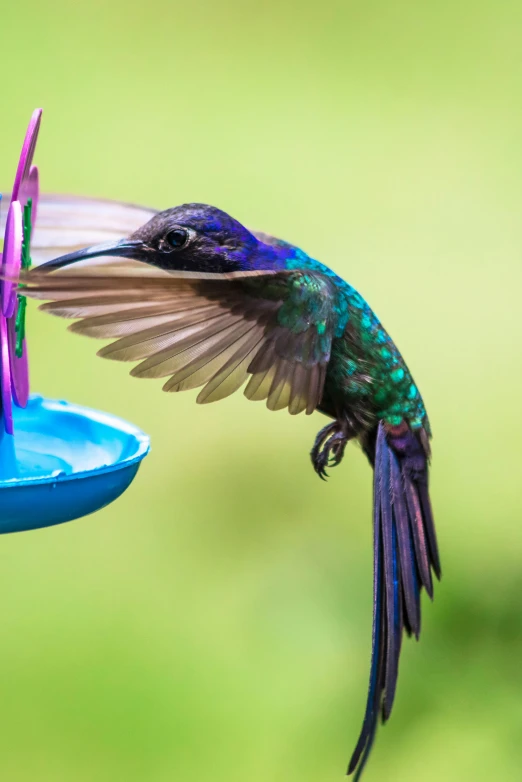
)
(58, 461)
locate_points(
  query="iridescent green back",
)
(366, 367)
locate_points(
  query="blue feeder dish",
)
(58, 461)
(65, 461)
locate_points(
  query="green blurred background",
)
(216, 620)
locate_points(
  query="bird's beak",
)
(125, 248)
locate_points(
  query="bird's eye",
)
(175, 239)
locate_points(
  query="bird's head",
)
(191, 237)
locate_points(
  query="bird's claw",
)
(328, 448)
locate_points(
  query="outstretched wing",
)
(272, 328)
(67, 223)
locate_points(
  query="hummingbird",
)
(210, 304)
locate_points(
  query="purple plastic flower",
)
(14, 376)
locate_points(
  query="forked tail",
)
(405, 552)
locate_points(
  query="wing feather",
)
(217, 331)
(67, 223)
(234, 372)
(204, 367)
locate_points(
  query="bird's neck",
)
(280, 255)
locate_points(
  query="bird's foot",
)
(329, 446)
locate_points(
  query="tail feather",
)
(427, 514)
(419, 536)
(405, 552)
(392, 589)
(409, 570)
(367, 735)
